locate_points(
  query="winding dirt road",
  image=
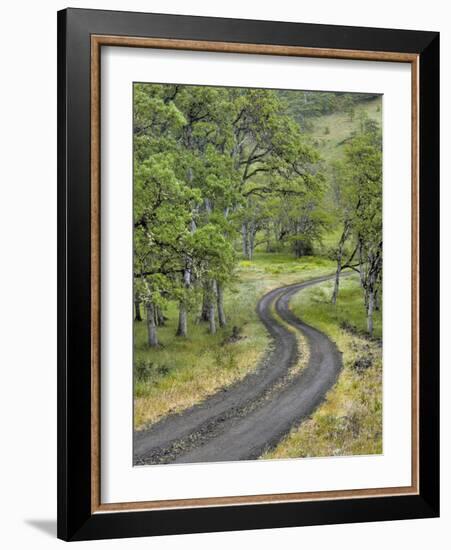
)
(244, 420)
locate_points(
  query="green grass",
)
(274, 268)
(315, 307)
(184, 371)
(349, 422)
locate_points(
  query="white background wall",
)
(28, 272)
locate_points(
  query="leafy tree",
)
(161, 217)
(213, 165)
(359, 196)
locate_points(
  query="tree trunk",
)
(251, 243)
(297, 249)
(220, 299)
(370, 312)
(361, 267)
(182, 329)
(244, 233)
(341, 244)
(137, 308)
(268, 237)
(377, 304)
(211, 318)
(159, 317)
(337, 281)
(204, 311)
(152, 336)
(211, 311)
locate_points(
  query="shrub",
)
(146, 370)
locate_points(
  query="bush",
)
(362, 363)
(146, 370)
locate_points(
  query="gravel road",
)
(244, 420)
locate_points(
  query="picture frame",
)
(81, 36)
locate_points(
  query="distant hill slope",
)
(331, 131)
(331, 119)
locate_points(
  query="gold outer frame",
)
(97, 41)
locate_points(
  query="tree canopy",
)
(218, 171)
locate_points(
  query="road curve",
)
(247, 418)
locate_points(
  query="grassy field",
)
(332, 131)
(349, 422)
(184, 371)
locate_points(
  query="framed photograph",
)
(248, 274)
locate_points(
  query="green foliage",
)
(213, 166)
(209, 162)
(349, 313)
(357, 188)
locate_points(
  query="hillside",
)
(331, 131)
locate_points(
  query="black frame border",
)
(75, 520)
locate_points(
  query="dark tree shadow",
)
(47, 526)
